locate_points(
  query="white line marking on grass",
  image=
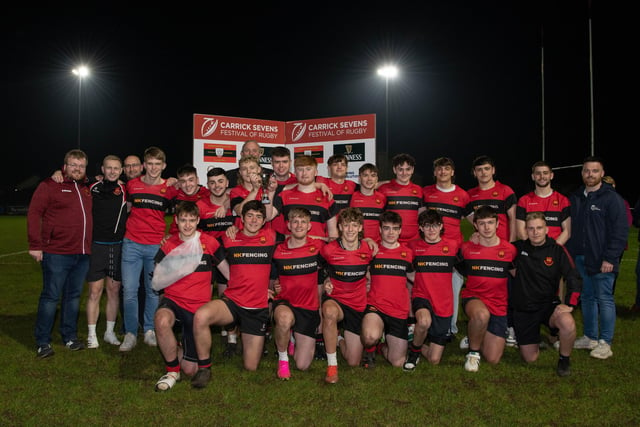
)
(12, 254)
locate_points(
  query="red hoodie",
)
(59, 220)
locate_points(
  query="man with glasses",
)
(132, 167)
(59, 225)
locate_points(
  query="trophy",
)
(266, 178)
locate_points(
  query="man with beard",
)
(545, 199)
(59, 225)
(600, 229)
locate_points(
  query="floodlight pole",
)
(386, 114)
(388, 72)
(81, 72)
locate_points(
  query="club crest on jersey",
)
(501, 254)
(494, 194)
(363, 256)
(318, 199)
(414, 191)
(445, 249)
(555, 203)
(263, 239)
(117, 191)
(456, 199)
(403, 254)
(312, 249)
(548, 261)
(345, 188)
(163, 190)
(378, 201)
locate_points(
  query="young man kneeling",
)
(183, 269)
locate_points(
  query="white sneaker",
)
(111, 338)
(602, 350)
(129, 342)
(464, 343)
(472, 362)
(92, 341)
(167, 381)
(556, 345)
(585, 343)
(150, 338)
(511, 337)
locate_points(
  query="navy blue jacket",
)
(599, 227)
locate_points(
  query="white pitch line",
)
(12, 254)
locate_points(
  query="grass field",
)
(104, 387)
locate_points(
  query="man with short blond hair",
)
(539, 265)
(109, 219)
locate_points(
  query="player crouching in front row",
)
(540, 264)
(183, 269)
(388, 297)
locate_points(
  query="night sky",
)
(470, 81)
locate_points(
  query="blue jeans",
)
(597, 303)
(136, 258)
(62, 276)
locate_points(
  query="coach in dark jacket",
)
(598, 238)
